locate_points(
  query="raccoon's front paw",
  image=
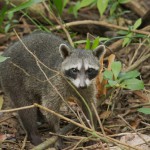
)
(59, 144)
(35, 140)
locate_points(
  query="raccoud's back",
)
(43, 45)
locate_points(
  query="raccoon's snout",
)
(82, 83)
(83, 87)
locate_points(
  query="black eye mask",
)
(91, 73)
(72, 73)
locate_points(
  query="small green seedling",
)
(96, 42)
(126, 80)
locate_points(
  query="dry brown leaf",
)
(144, 97)
(100, 82)
(105, 114)
(135, 123)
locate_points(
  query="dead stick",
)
(16, 109)
(102, 23)
(137, 63)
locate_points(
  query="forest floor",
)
(118, 115)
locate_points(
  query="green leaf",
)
(59, 5)
(10, 15)
(108, 74)
(144, 110)
(127, 39)
(137, 23)
(85, 3)
(7, 27)
(2, 58)
(129, 75)
(3, 11)
(121, 32)
(87, 46)
(133, 84)
(24, 5)
(116, 68)
(65, 2)
(123, 1)
(103, 39)
(140, 36)
(112, 83)
(95, 43)
(113, 7)
(102, 5)
(80, 42)
(75, 9)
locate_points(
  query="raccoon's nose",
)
(83, 87)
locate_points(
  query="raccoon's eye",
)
(74, 70)
(90, 70)
(92, 73)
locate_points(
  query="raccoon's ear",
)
(99, 51)
(64, 50)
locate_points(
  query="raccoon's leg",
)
(27, 117)
(53, 102)
(29, 121)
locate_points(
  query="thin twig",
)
(136, 51)
(59, 22)
(24, 142)
(99, 121)
(16, 109)
(138, 62)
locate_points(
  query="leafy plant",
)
(93, 44)
(9, 13)
(129, 34)
(24, 5)
(100, 4)
(80, 4)
(118, 79)
(59, 5)
(2, 16)
(115, 5)
(144, 110)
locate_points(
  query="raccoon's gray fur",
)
(24, 82)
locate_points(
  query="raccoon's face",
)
(80, 66)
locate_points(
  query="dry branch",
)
(136, 7)
(101, 23)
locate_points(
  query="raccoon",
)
(24, 83)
